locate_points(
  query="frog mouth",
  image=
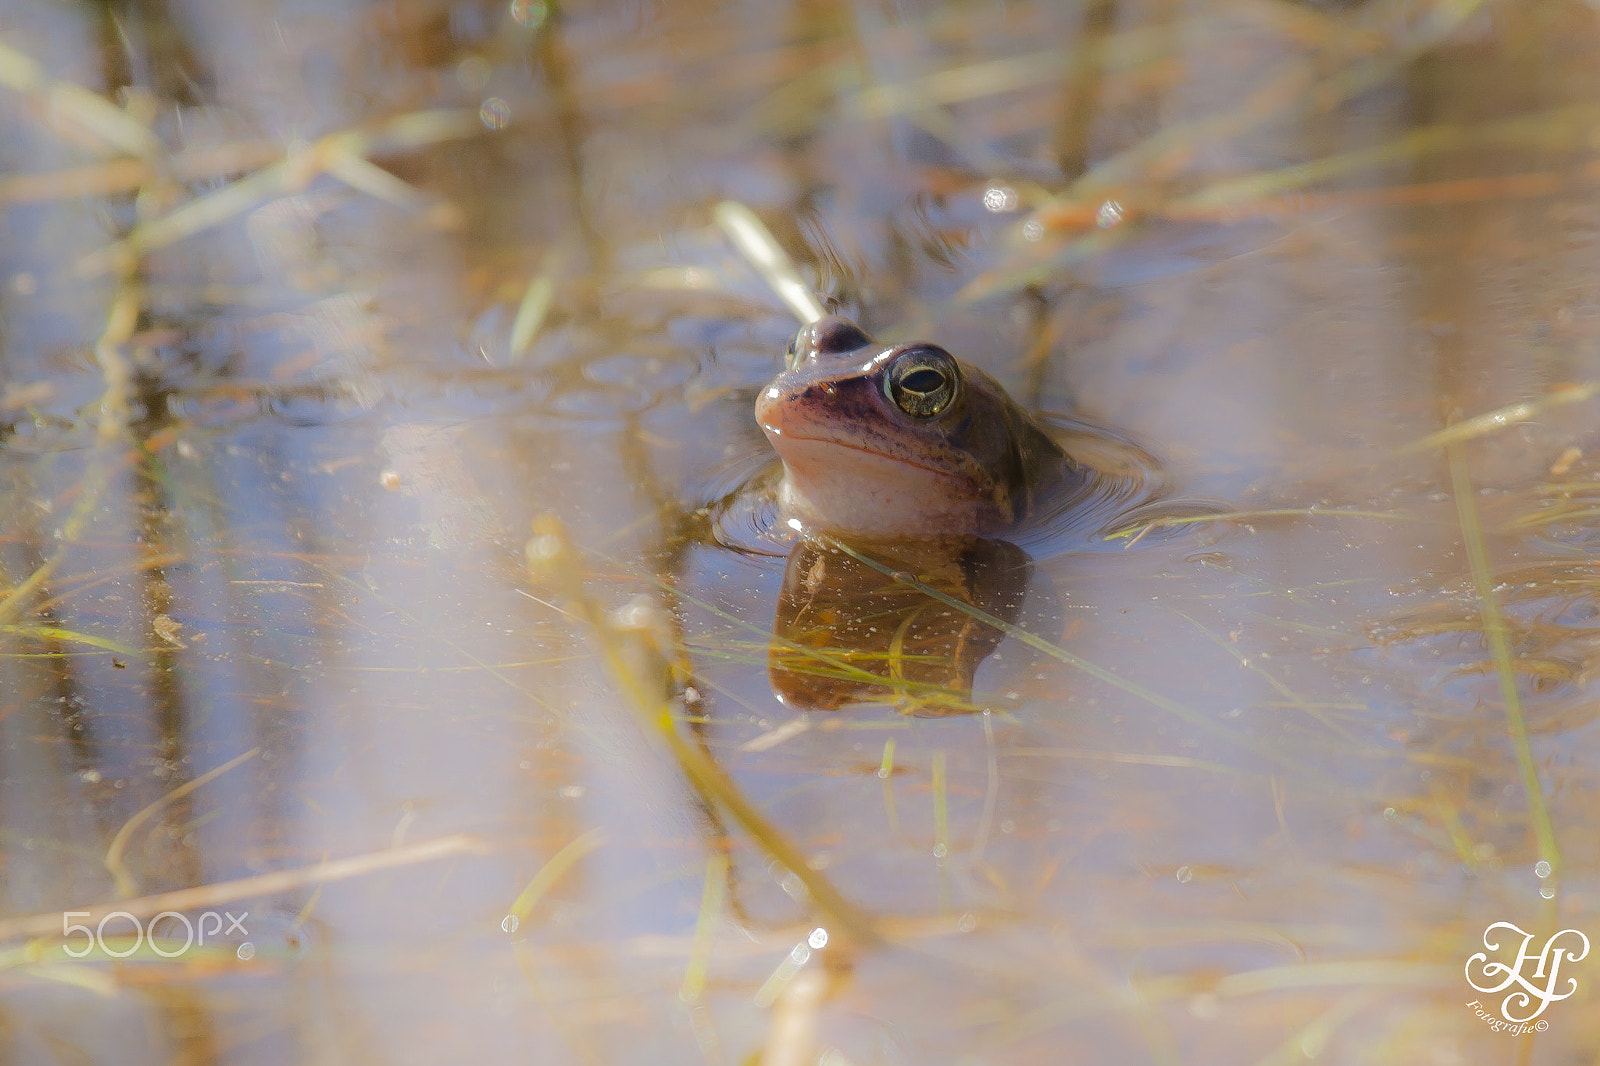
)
(875, 454)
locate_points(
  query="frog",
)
(901, 441)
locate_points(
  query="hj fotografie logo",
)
(161, 931)
(1543, 984)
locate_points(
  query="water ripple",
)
(1123, 484)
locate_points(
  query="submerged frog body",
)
(901, 441)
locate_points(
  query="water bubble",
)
(246, 952)
(544, 549)
(940, 850)
(1033, 230)
(1390, 814)
(1008, 826)
(1541, 869)
(495, 114)
(1184, 874)
(998, 198)
(1547, 891)
(637, 613)
(1109, 215)
(509, 923)
(90, 777)
(818, 938)
(473, 73)
(529, 13)
(967, 922)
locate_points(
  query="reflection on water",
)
(307, 312)
(847, 631)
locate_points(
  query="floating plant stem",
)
(1495, 634)
(118, 375)
(751, 236)
(705, 926)
(551, 872)
(551, 558)
(534, 307)
(941, 828)
(1501, 417)
(119, 871)
(886, 775)
(1139, 530)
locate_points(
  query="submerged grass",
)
(1359, 56)
(1496, 636)
(551, 872)
(694, 975)
(117, 375)
(551, 558)
(119, 843)
(1188, 714)
(1502, 417)
(1136, 532)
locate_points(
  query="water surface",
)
(308, 314)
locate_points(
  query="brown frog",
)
(900, 441)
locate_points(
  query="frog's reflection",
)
(846, 632)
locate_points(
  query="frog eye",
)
(922, 382)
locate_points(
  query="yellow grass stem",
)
(117, 375)
(1495, 634)
(551, 872)
(1246, 516)
(1501, 417)
(119, 843)
(886, 775)
(551, 558)
(74, 105)
(705, 928)
(344, 154)
(70, 636)
(751, 236)
(534, 307)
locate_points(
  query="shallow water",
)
(1236, 790)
